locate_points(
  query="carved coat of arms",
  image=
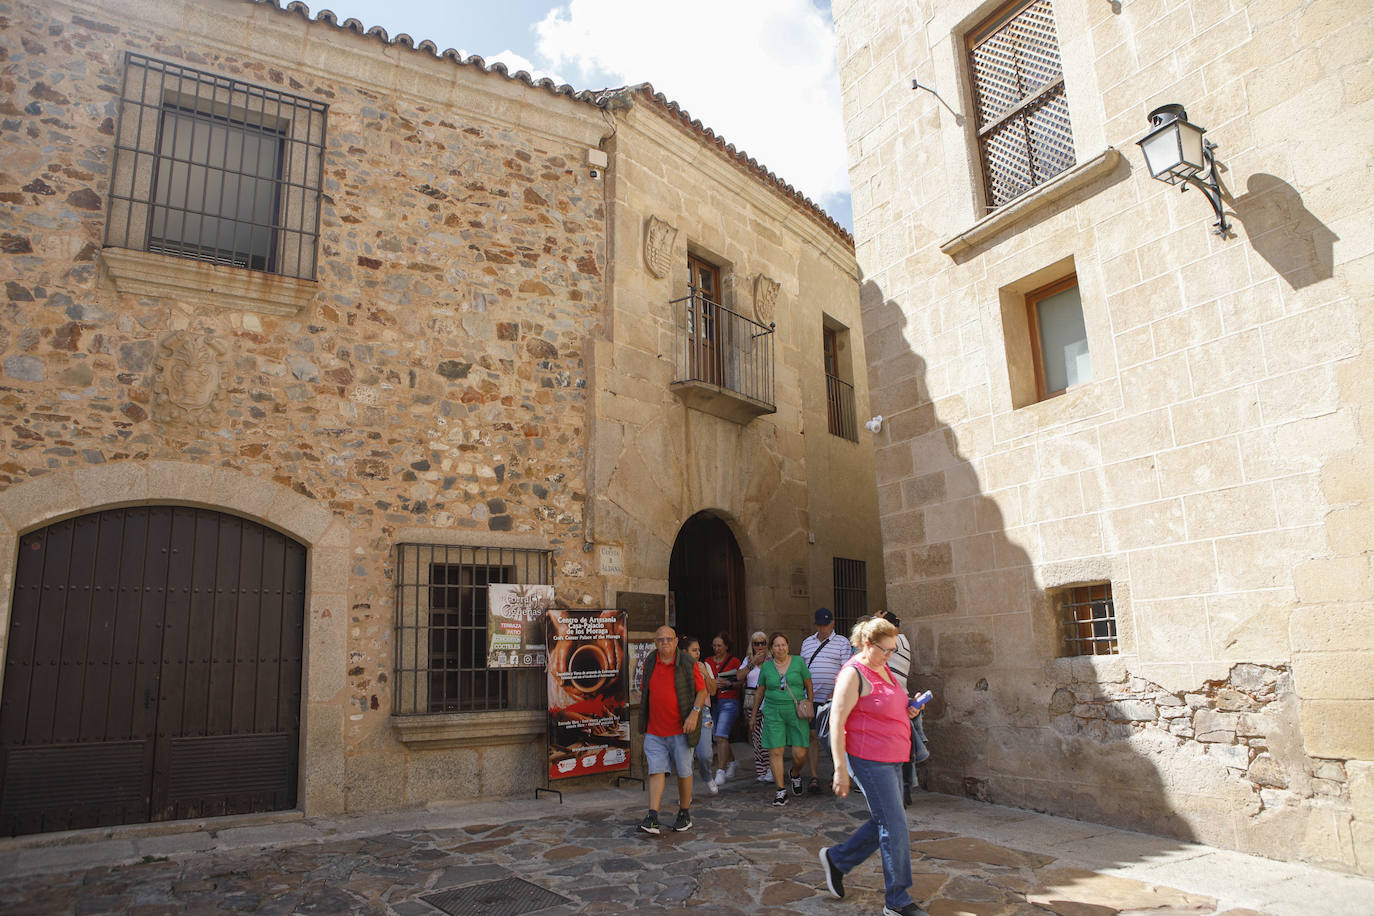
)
(658, 246)
(765, 298)
(189, 376)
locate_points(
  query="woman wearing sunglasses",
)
(758, 654)
(870, 739)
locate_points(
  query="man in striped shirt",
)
(824, 652)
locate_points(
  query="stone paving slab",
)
(741, 857)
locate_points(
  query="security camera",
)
(874, 424)
(595, 174)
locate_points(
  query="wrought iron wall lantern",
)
(1176, 153)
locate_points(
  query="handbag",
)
(805, 708)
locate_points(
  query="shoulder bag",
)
(805, 708)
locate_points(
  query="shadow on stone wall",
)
(1009, 722)
(1283, 231)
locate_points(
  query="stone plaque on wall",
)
(646, 610)
(799, 587)
(612, 561)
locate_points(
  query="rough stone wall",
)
(434, 383)
(1216, 470)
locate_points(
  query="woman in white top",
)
(758, 654)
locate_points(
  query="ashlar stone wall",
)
(1215, 470)
(794, 495)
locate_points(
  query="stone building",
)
(1125, 481)
(309, 334)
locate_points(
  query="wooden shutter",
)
(1018, 87)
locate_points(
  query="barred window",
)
(215, 169)
(851, 593)
(1088, 617)
(441, 629)
(839, 393)
(1022, 112)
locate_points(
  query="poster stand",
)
(587, 731)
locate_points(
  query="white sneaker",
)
(720, 778)
(730, 769)
(712, 787)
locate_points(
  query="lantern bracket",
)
(1206, 182)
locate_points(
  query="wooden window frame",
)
(1033, 300)
(985, 30)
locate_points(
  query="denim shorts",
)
(727, 711)
(668, 755)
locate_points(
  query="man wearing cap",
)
(825, 653)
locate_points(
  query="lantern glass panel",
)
(1162, 152)
(1190, 142)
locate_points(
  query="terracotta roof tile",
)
(602, 98)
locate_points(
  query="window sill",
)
(470, 729)
(144, 273)
(1052, 191)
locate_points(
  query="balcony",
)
(723, 362)
(839, 407)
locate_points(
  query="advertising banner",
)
(515, 625)
(588, 680)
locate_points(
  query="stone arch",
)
(62, 494)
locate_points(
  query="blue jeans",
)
(885, 830)
(706, 746)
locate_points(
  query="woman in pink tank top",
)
(870, 739)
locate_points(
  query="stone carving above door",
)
(659, 238)
(189, 374)
(766, 292)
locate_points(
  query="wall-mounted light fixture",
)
(1176, 153)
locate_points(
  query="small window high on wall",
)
(1059, 339)
(1022, 113)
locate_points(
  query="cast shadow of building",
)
(1011, 722)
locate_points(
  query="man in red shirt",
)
(673, 693)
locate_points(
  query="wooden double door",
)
(153, 670)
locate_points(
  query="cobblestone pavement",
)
(741, 856)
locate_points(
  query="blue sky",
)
(761, 73)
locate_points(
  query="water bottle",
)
(920, 700)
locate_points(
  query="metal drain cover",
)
(507, 897)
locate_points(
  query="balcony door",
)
(703, 320)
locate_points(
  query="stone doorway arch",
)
(706, 579)
(63, 494)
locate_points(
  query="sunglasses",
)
(760, 643)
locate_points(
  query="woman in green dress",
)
(784, 679)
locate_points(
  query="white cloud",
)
(515, 63)
(760, 73)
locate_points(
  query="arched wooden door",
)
(706, 577)
(153, 670)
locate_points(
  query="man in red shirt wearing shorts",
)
(673, 693)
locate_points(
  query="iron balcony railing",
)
(721, 347)
(839, 407)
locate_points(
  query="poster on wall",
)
(515, 625)
(588, 681)
(638, 652)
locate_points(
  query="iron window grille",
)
(1024, 136)
(839, 406)
(215, 169)
(441, 629)
(1088, 617)
(851, 593)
